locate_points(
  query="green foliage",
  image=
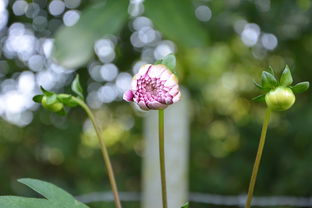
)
(174, 18)
(300, 87)
(269, 83)
(259, 98)
(74, 45)
(169, 61)
(55, 102)
(268, 80)
(286, 78)
(55, 197)
(186, 205)
(76, 87)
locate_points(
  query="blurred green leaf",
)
(286, 78)
(258, 85)
(176, 20)
(76, 87)
(271, 70)
(51, 99)
(46, 92)
(37, 98)
(67, 100)
(186, 205)
(260, 98)
(300, 87)
(268, 80)
(55, 197)
(170, 62)
(73, 46)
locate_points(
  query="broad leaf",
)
(176, 20)
(300, 87)
(76, 87)
(286, 78)
(268, 80)
(55, 197)
(23, 202)
(52, 193)
(73, 46)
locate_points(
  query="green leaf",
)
(286, 78)
(260, 98)
(73, 46)
(67, 100)
(158, 61)
(45, 92)
(300, 87)
(271, 71)
(186, 205)
(53, 193)
(51, 99)
(76, 87)
(23, 202)
(54, 197)
(170, 62)
(176, 20)
(37, 98)
(268, 80)
(258, 85)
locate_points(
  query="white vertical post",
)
(176, 153)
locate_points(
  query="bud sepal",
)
(279, 95)
(56, 102)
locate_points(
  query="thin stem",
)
(258, 157)
(162, 157)
(107, 161)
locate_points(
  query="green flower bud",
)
(280, 98)
(54, 107)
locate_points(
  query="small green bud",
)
(280, 98)
(54, 107)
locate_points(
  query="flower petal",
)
(128, 96)
(143, 69)
(156, 70)
(143, 106)
(176, 98)
(155, 105)
(174, 90)
(171, 81)
(165, 75)
(134, 82)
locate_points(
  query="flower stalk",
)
(279, 96)
(105, 154)
(258, 158)
(161, 125)
(56, 103)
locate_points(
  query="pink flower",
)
(154, 87)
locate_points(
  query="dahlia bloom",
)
(154, 87)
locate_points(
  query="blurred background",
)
(221, 46)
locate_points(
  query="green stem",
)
(162, 157)
(107, 161)
(258, 157)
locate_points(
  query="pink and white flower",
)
(154, 87)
